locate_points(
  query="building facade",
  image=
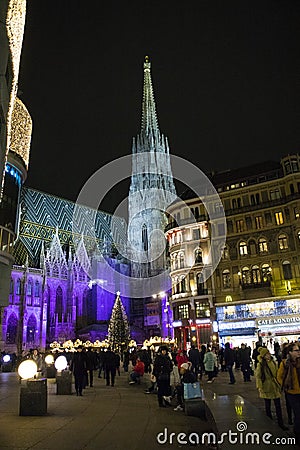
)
(255, 288)
(15, 134)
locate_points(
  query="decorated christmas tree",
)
(118, 329)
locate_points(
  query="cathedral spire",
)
(149, 118)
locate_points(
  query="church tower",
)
(151, 190)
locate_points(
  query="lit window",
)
(256, 275)
(226, 279)
(243, 248)
(239, 226)
(258, 222)
(275, 194)
(246, 275)
(262, 245)
(279, 218)
(266, 272)
(297, 212)
(282, 242)
(183, 311)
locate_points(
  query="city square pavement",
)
(123, 417)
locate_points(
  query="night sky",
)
(225, 75)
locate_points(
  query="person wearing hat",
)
(289, 378)
(162, 369)
(267, 384)
(186, 376)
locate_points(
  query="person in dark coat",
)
(194, 358)
(110, 366)
(245, 359)
(78, 367)
(161, 370)
(229, 361)
(91, 362)
(126, 360)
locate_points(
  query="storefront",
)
(271, 320)
(238, 332)
(188, 333)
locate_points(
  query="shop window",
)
(226, 279)
(283, 242)
(279, 218)
(287, 270)
(243, 248)
(262, 245)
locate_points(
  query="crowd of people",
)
(276, 373)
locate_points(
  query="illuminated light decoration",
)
(215, 326)
(49, 359)
(27, 369)
(21, 130)
(61, 363)
(6, 358)
(15, 23)
(12, 171)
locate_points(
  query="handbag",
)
(191, 390)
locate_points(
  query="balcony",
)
(188, 221)
(264, 284)
(263, 205)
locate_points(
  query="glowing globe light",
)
(61, 363)
(49, 359)
(27, 369)
(6, 358)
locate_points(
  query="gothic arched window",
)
(145, 237)
(59, 304)
(31, 329)
(256, 275)
(226, 279)
(11, 330)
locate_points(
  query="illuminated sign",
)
(237, 325)
(177, 323)
(279, 320)
(201, 321)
